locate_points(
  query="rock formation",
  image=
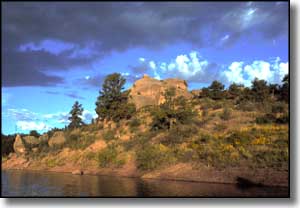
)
(31, 141)
(150, 91)
(19, 145)
(57, 139)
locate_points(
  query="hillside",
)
(213, 135)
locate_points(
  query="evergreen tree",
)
(284, 90)
(112, 103)
(34, 133)
(235, 90)
(216, 90)
(75, 119)
(260, 90)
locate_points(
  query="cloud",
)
(41, 37)
(191, 67)
(52, 92)
(272, 72)
(21, 114)
(31, 125)
(87, 116)
(74, 95)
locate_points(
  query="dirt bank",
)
(180, 172)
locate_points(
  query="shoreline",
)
(115, 173)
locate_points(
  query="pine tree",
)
(75, 119)
(284, 90)
(112, 103)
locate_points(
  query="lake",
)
(37, 183)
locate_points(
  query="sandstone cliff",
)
(150, 91)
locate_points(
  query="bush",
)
(246, 106)
(109, 157)
(226, 114)
(179, 134)
(109, 135)
(278, 107)
(265, 119)
(154, 156)
(75, 141)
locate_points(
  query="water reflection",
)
(29, 183)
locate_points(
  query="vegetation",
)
(221, 128)
(112, 103)
(75, 118)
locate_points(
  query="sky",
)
(54, 54)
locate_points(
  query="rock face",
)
(44, 138)
(19, 145)
(150, 91)
(57, 139)
(31, 141)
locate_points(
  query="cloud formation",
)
(84, 32)
(272, 72)
(31, 125)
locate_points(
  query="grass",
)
(110, 156)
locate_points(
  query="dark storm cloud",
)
(107, 27)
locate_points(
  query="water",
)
(36, 183)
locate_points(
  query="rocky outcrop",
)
(44, 138)
(150, 91)
(57, 139)
(19, 145)
(31, 141)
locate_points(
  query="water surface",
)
(36, 183)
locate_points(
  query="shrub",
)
(109, 135)
(154, 156)
(226, 114)
(179, 134)
(278, 107)
(134, 124)
(246, 106)
(109, 157)
(265, 119)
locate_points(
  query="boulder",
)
(44, 138)
(77, 172)
(31, 141)
(57, 139)
(150, 91)
(19, 145)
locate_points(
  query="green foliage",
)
(154, 156)
(284, 90)
(215, 91)
(112, 103)
(78, 141)
(279, 107)
(34, 133)
(75, 119)
(7, 143)
(109, 157)
(174, 111)
(226, 114)
(260, 90)
(109, 135)
(235, 91)
(179, 134)
(265, 119)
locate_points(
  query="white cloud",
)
(234, 74)
(30, 125)
(87, 116)
(185, 66)
(152, 64)
(272, 72)
(260, 70)
(141, 59)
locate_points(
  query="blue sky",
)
(56, 53)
